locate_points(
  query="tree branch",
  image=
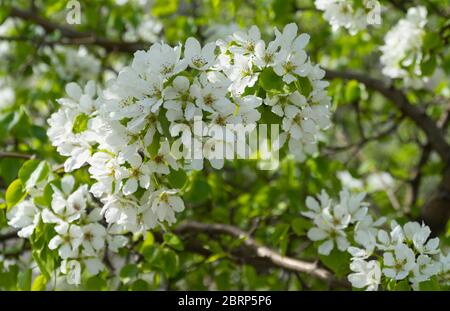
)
(365, 140)
(437, 210)
(6, 154)
(255, 251)
(8, 236)
(434, 134)
(76, 37)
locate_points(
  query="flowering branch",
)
(254, 252)
(433, 133)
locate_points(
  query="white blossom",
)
(399, 263)
(366, 274)
(164, 204)
(402, 51)
(198, 57)
(330, 228)
(24, 216)
(343, 13)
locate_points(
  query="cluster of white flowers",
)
(332, 221)
(7, 94)
(148, 30)
(378, 181)
(72, 63)
(217, 31)
(349, 14)
(5, 27)
(124, 132)
(408, 254)
(402, 50)
(80, 237)
(405, 253)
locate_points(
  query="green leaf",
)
(39, 283)
(129, 271)
(352, 91)
(270, 81)
(4, 11)
(251, 90)
(164, 7)
(300, 226)
(199, 191)
(80, 123)
(280, 237)
(280, 232)
(153, 148)
(304, 86)
(430, 285)
(173, 241)
(177, 178)
(45, 260)
(337, 261)
(283, 11)
(215, 257)
(148, 241)
(156, 279)
(8, 279)
(46, 198)
(96, 283)
(402, 286)
(427, 67)
(431, 40)
(170, 262)
(38, 132)
(32, 172)
(165, 124)
(9, 168)
(140, 285)
(14, 194)
(24, 279)
(20, 124)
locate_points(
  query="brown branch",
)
(417, 179)
(254, 251)
(6, 154)
(436, 211)
(76, 37)
(434, 134)
(363, 141)
(8, 236)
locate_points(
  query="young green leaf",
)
(14, 194)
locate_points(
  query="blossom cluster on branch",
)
(402, 52)
(125, 134)
(350, 14)
(78, 234)
(380, 258)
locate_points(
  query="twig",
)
(421, 119)
(6, 154)
(258, 251)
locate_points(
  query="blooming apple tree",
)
(162, 149)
